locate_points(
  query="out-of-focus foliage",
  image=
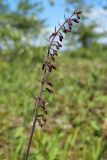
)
(19, 27)
(83, 3)
(77, 111)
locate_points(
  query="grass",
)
(76, 112)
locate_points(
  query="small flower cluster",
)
(48, 65)
(41, 117)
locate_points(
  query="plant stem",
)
(32, 131)
(41, 90)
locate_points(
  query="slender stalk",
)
(32, 131)
(42, 87)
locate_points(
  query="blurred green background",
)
(76, 126)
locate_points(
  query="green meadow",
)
(76, 127)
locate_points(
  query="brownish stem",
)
(32, 131)
(41, 90)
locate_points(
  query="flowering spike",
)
(48, 67)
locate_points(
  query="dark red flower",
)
(78, 16)
(41, 125)
(54, 51)
(57, 47)
(49, 90)
(60, 37)
(59, 44)
(52, 57)
(64, 30)
(49, 83)
(41, 101)
(52, 35)
(39, 121)
(75, 20)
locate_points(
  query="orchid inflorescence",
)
(48, 65)
(55, 43)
